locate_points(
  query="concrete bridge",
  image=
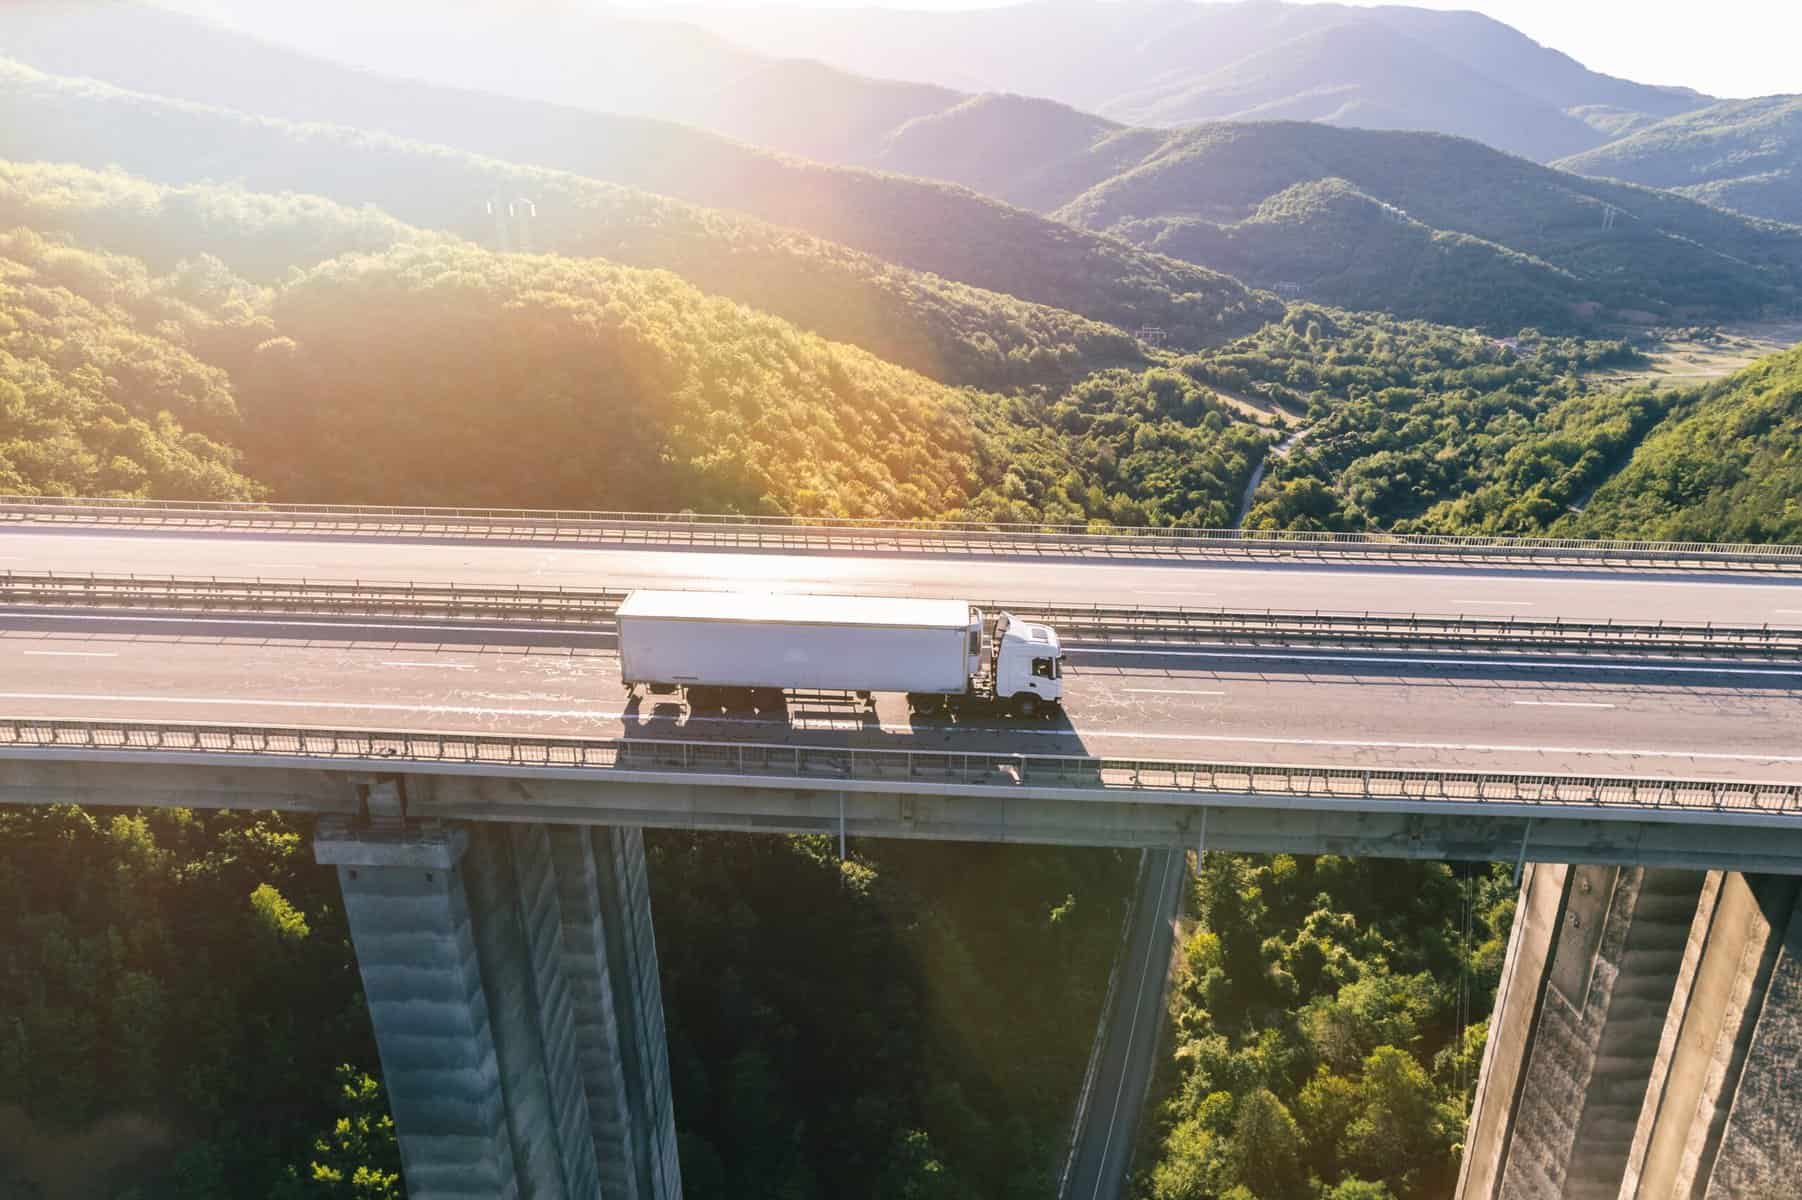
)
(1646, 1030)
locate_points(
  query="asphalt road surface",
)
(1129, 1038)
(1365, 708)
(1495, 591)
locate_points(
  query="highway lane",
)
(1492, 591)
(1104, 1143)
(1304, 707)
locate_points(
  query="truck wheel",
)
(1026, 705)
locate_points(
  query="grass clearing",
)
(1681, 361)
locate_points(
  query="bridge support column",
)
(610, 960)
(1723, 1116)
(511, 976)
(1591, 969)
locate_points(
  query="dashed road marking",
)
(1564, 703)
(1684, 667)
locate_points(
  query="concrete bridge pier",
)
(1646, 1042)
(511, 975)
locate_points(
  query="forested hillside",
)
(1723, 466)
(95, 396)
(1403, 416)
(1343, 246)
(950, 331)
(603, 386)
(913, 223)
(1423, 428)
(1740, 154)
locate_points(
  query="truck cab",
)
(1028, 667)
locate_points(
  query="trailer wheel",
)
(921, 704)
(1026, 705)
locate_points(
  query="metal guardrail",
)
(708, 529)
(1417, 631)
(304, 597)
(827, 767)
(1078, 622)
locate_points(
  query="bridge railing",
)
(1075, 622)
(870, 534)
(827, 767)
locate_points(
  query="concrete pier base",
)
(1646, 1043)
(1723, 1114)
(1594, 966)
(511, 975)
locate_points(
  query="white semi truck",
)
(743, 650)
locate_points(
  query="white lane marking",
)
(1171, 692)
(1726, 668)
(74, 653)
(1480, 747)
(1564, 704)
(593, 714)
(1791, 611)
(204, 619)
(1132, 1030)
(434, 665)
(474, 710)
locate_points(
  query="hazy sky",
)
(1724, 47)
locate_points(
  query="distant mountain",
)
(1740, 154)
(1419, 224)
(1414, 223)
(924, 226)
(1326, 238)
(1163, 62)
(576, 55)
(738, 70)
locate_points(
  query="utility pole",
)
(512, 223)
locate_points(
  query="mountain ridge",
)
(1745, 155)
(1108, 58)
(922, 225)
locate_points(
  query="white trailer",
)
(747, 649)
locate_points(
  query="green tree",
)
(359, 1159)
(1267, 1149)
